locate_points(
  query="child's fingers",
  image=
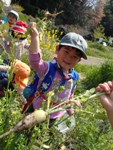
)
(106, 87)
(32, 25)
(110, 84)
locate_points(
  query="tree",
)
(75, 11)
(99, 32)
(96, 14)
(107, 20)
(84, 13)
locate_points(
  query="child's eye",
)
(76, 57)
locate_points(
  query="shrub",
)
(97, 75)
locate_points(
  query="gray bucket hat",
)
(75, 40)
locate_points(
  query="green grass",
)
(98, 50)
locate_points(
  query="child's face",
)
(12, 18)
(67, 57)
(17, 35)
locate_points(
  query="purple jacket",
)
(41, 67)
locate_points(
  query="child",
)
(9, 20)
(21, 73)
(107, 99)
(12, 18)
(15, 44)
(69, 52)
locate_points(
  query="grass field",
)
(98, 50)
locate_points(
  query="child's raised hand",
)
(33, 30)
(35, 43)
(32, 25)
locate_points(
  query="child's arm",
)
(35, 44)
(107, 100)
(4, 68)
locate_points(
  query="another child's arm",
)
(4, 68)
(35, 44)
(107, 100)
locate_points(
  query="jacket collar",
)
(71, 75)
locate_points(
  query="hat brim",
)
(18, 30)
(78, 48)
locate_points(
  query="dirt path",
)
(93, 61)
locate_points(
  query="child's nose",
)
(69, 57)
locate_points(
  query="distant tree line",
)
(107, 20)
(84, 13)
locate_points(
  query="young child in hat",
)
(69, 52)
(9, 20)
(12, 17)
(15, 44)
(107, 99)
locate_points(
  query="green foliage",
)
(99, 32)
(9, 115)
(48, 38)
(98, 50)
(1, 11)
(92, 128)
(17, 7)
(108, 18)
(23, 17)
(96, 75)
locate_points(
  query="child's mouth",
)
(67, 63)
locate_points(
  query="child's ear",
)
(57, 49)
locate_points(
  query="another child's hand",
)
(106, 87)
(107, 99)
